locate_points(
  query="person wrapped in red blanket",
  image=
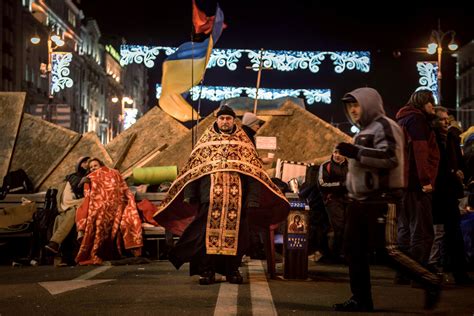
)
(107, 221)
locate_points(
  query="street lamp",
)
(123, 102)
(58, 42)
(436, 45)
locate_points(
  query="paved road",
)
(158, 289)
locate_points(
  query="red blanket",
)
(108, 218)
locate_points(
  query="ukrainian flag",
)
(184, 69)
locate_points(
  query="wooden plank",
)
(151, 196)
(88, 145)
(140, 163)
(60, 159)
(268, 112)
(40, 147)
(11, 107)
(153, 130)
(124, 151)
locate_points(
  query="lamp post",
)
(436, 45)
(58, 42)
(123, 102)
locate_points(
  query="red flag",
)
(201, 22)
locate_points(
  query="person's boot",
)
(234, 277)
(207, 278)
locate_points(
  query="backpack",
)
(16, 182)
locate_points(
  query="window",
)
(71, 18)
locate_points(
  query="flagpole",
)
(192, 78)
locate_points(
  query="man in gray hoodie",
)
(375, 182)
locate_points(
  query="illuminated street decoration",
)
(60, 71)
(293, 60)
(219, 93)
(129, 117)
(282, 60)
(142, 54)
(428, 72)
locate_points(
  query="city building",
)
(70, 74)
(465, 85)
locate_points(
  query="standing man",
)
(448, 249)
(374, 182)
(332, 183)
(250, 125)
(415, 221)
(218, 193)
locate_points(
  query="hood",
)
(78, 165)
(406, 111)
(371, 105)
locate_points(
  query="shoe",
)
(207, 278)
(432, 296)
(53, 247)
(235, 277)
(351, 305)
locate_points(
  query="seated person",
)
(70, 196)
(107, 221)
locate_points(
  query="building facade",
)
(81, 86)
(465, 85)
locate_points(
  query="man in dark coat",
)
(217, 195)
(448, 189)
(332, 183)
(415, 221)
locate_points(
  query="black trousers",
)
(191, 247)
(358, 241)
(455, 260)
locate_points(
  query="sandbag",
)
(16, 215)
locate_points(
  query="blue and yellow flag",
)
(184, 69)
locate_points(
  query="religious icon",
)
(297, 224)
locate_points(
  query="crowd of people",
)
(412, 170)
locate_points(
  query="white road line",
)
(261, 297)
(93, 273)
(227, 299)
(58, 287)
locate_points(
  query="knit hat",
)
(250, 119)
(225, 110)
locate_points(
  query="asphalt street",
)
(158, 289)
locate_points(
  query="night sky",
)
(392, 36)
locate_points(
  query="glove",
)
(348, 150)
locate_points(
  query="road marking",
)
(227, 299)
(58, 287)
(261, 297)
(93, 273)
